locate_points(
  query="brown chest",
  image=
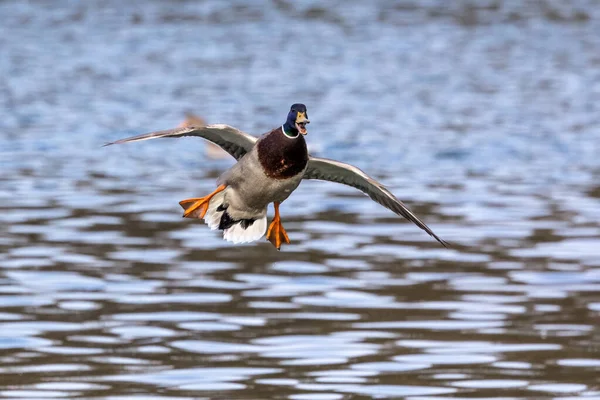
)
(282, 157)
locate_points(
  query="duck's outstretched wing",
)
(230, 139)
(335, 171)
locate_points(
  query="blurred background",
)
(482, 116)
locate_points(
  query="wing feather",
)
(230, 139)
(335, 171)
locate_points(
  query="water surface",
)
(484, 120)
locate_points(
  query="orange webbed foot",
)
(197, 207)
(276, 233)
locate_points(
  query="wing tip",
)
(446, 244)
(443, 242)
(120, 141)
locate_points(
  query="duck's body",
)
(268, 170)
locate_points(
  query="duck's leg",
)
(199, 204)
(276, 234)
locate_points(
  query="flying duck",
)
(268, 170)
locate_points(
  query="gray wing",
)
(335, 171)
(230, 139)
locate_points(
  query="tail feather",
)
(236, 231)
(215, 212)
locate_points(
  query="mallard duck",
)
(268, 170)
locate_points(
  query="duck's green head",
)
(296, 120)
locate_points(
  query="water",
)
(483, 119)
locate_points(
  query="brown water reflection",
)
(482, 118)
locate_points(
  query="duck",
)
(268, 169)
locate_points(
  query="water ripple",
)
(482, 118)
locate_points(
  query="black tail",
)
(227, 222)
